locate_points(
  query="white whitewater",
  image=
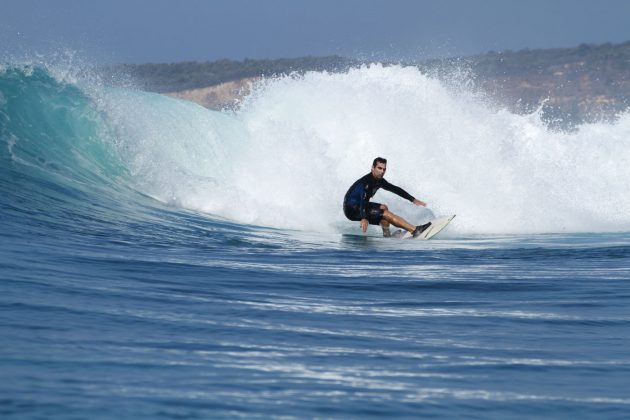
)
(286, 158)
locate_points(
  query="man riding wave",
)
(357, 205)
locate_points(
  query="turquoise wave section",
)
(52, 130)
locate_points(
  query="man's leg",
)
(385, 217)
(385, 226)
(385, 223)
(397, 221)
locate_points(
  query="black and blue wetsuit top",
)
(364, 188)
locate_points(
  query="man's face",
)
(378, 171)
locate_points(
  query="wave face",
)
(287, 156)
(50, 127)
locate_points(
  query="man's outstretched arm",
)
(402, 193)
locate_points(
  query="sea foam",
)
(286, 157)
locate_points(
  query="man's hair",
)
(377, 160)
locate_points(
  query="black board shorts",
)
(374, 213)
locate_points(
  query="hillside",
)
(586, 83)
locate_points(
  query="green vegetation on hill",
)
(190, 75)
(532, 61)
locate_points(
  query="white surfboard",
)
(436, 227)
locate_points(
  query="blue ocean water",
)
(160, 260)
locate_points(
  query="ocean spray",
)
(287, 156)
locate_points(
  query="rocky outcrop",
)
(222, 96)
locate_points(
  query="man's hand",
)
(419, 203)
(364, 225)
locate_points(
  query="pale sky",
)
(140, 31)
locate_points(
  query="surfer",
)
(357, 205)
